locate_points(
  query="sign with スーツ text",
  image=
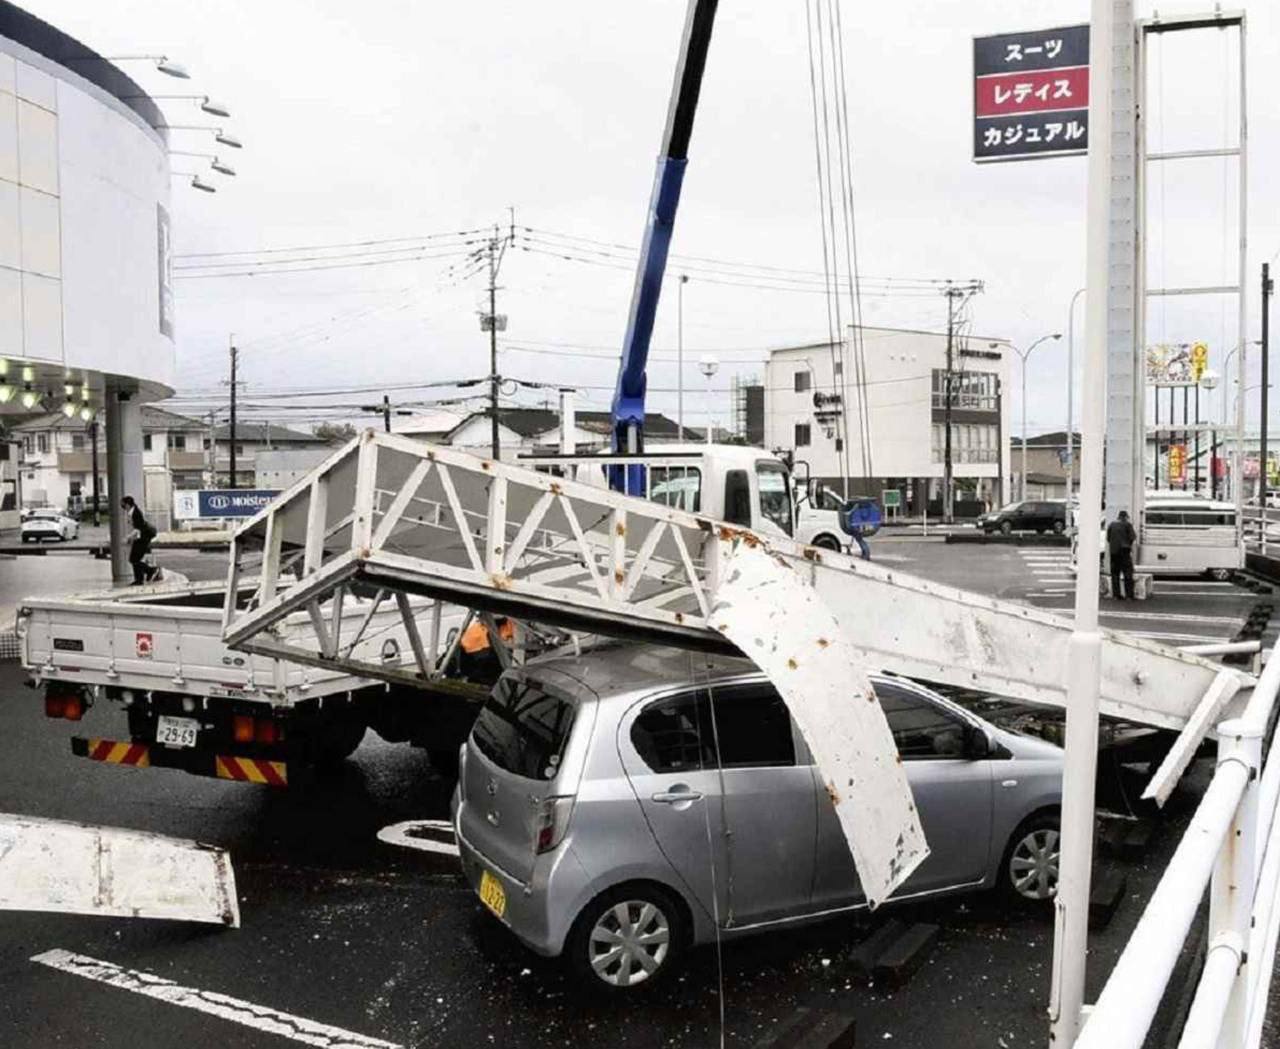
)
(1031, 94)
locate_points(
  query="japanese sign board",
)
(1199, 360)
(1031, 94)
(891, 498)
(1177, 463)
(205, 504)
(1178, 364)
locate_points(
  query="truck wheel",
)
(827, 542)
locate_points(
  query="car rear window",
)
(523, 730)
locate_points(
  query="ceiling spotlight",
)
(29, 396)
(199, 183)
(7, 390)
(69, 409)
(86, 412)
(222, 138)
(174, 69)
(222, 168)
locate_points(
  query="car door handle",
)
(674, 797)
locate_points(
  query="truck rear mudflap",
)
(238, 767)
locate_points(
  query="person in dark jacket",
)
(1120, 540)
(141, 532)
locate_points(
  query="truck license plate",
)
(177, 732)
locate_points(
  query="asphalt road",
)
(343, 930)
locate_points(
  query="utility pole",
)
(948, 498)
(386, 413)
(93, 445)
(232, 431)
(1267, 287)
(493, 344)
(954, 293)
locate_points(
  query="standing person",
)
(1120, 540)
(141, 532)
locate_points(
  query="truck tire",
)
(827, 542)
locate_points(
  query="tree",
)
(335, 433)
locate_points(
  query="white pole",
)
(1024, 424)
(1109, 19)
(1071, 387)
(680, 357)
(568, 424)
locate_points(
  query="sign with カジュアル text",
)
(1031, 94)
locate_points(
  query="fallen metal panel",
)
(1175, 763)
(75, 868)
(765, 608)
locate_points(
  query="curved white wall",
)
(84, 195)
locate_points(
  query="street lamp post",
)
(1024, 354)
(709, 365)
(1071, 387)
(684, 279)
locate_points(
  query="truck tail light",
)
(552, 821)
(247, 729)
(69, 705)
(242, 728)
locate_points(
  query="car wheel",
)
(1006, 528)
(827, 542)
(1029, 870)
(1059, 527)
(626, 939)
(1220, 575)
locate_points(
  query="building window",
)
(77, 442)
(146, 442)
(839, 369)
(178, 442)
(839, 444)
(804, 381)
(977, 391)
(802, 435)
(42, 443)
(206, 444)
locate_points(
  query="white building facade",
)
(901, 442)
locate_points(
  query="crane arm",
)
(629, 395)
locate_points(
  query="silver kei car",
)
(616, 807)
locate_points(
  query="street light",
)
(163, 64)
(214, 162)
(708, 365)
(1024, 354)
(684, 279)
(211, 107)
(219, 135)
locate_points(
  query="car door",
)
(953, 794)
(667, 748)
(768, 799)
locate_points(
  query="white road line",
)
(1187, 617)
(418, 834)
(259, 1017)
(1191, 639)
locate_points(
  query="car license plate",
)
(177, 732)
(492, 894)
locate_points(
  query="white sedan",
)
(49, 524)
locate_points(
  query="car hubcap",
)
(629, 943)
(1033, 867)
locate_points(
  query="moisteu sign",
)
(1031, 94)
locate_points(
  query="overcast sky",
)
(394, 119)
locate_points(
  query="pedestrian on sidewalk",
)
(1120, 540)
(141, 532)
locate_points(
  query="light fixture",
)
(163, 63)
(86, 412)
(215, 162)
(4, 367)
(29, 396)
(7, 390)
(198, 183)
(222, 138)
(28, 373)
(221, 168)
(69, 409)
(213, 108)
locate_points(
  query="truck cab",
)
(727, 482)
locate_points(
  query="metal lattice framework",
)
(388, 519)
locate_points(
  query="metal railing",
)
(1232, 848)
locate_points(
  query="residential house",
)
(252, 438)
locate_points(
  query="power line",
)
(324, 247)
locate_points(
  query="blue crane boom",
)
(629, 395)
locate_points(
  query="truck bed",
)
(168, 638)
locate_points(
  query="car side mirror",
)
(976, 744)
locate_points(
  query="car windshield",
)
(1011, 508)
(523, 730)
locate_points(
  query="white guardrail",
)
(1232, 847)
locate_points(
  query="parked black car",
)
(1046, 516)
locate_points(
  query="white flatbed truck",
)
(190, 702)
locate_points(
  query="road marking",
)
(423, 835)
(259, 1017)
(1154, 635)
(1186, 617)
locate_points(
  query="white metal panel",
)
(37, 148)
(776, 617)
(74, 868)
